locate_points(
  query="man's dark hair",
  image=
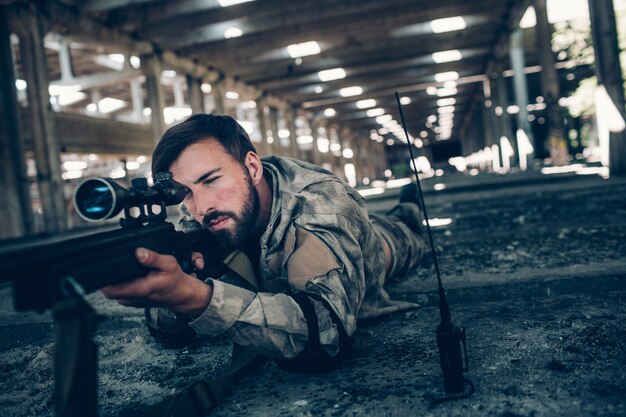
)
(198, 127)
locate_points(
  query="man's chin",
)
(224, 240)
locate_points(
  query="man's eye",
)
(209, 180)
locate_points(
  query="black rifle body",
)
(39, 270)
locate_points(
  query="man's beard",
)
(243, 230)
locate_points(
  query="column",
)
(156, 101)
(316, 155)
(550, 86)
(136, 94)
(291, 114)
(273, 115)
(506, 124)
(217, 91)
(526, 154)
(491, 131)
(16, 213)
(264, 148)
(28, 25)
(363, 150)
(608, 70)
(196, 99)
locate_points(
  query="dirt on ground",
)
(536, 273)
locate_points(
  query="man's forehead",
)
(202, 155)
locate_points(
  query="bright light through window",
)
(446, 102)
(232, 95)
(405, 100)
(364, 104)
(232, 32)
(447, 56)
(110, 104)
(446, 76)
(298, 50)
(384, 118)
(332, 74)
(351, 91)
(173, 114)
(445, 92)
(529, 19)
(375, 112)
(448, 24)
(71, 97)
(226, 3)
(329, 112)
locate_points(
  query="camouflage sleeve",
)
(272, 324)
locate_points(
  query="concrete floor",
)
(535, 268)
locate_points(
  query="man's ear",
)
(254, 166)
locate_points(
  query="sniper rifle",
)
(57, 272)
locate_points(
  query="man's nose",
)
(204, 204)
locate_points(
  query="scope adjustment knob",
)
(139, 183)
(163, 176)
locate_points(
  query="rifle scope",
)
(100, 198)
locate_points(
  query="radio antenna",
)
(449, 336)
(444, 308)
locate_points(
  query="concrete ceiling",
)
(383, 45)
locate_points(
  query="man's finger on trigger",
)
(198, 260)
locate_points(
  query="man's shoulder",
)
(308, 188)
(294, 173)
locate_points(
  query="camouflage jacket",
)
(319, 243)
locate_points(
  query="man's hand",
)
(166, 286)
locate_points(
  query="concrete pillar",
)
(316, 155)
(156, 100)
(380, 150)
(521, 94)
(340, 161)
(16, 213)
(352, 144)
(365, 153)
(492, 102)
(504, 119)
(217, 91)
(65, 61)
(273, 113)
(179, 93)
(550, 86)
(196, 97)
(608, 71)
(136, 94)
(291, 115)
(326, 158)
(264, 148)
(29, 27)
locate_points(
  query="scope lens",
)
(94, 199)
